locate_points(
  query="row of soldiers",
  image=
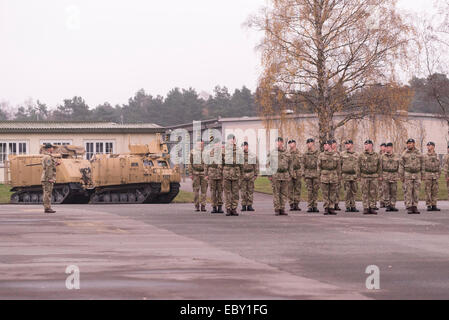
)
(327, 170)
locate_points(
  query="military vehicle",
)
(70, 187)
(142, 176)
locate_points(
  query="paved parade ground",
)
(171, 252)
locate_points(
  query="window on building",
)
(57, 142)
(12, 148)
(98, 147)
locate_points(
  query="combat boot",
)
(393, 209)
(332, 212)
(220, 209)
(373, 211)
(326, 211)
(283, 213)
(354, 209)
(244, 208)
(277, 212)
(435, 208)
(250, 208)
(316, 210)
(197, 207)
(366, 211)
(214, 210)
(234, 212)
(49, 211)
(410, 210)
(203, 208)
(228, 212)
(292, 207)
(297, 208)
(349, 210)
(415, 210)
(429, 208)
(310, 210)
(337, 208)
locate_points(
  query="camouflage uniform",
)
(411, 170)
(329, 171)
(337, 194)
(446, 171)
(370, 169)
(250, 172)
(381, 194)
(431, 175)
(214, 172)
(350, 172)
(294, 193)
(280, 177)
(48, 175)
(232, 173)
(197, 169)
(311, 177)
(390, 177)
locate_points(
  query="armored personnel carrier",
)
(142, 176)
(71, 185)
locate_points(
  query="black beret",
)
(292, 141)
(411, 141)
(383, 144)
(312, 140)
(280, 139)
(48, 146)
(329, 142)
(349, 142)
(333, 141)
(368, 142)
(431, 143)
(389, 144)
(245, 144)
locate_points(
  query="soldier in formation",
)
(446, 168)
(431, 176)
(250, 173)
(232, 173)
(294, 193)
(197, 169)
(383, 148)
(329, 171)
(279, 169)
(214, 175)
(311, 176)
(370, 168)
(337, 196)
(48, 178)
(390, 177)
(350, 172)
(411, 172)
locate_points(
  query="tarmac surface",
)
(171, 252)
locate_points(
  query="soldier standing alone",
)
(350, 172)
(279, 166)
(310, 174)
(329, 170)
(232, 171)
(48, 177)
(249, 176)
(197, 171)
(431, 176)
(214, 175)
(411, 172)
(294, 193)
(390, 177)
(370, 168)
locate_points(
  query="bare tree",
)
(326, 56)
(434, 40)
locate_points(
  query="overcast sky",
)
(105, 50)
